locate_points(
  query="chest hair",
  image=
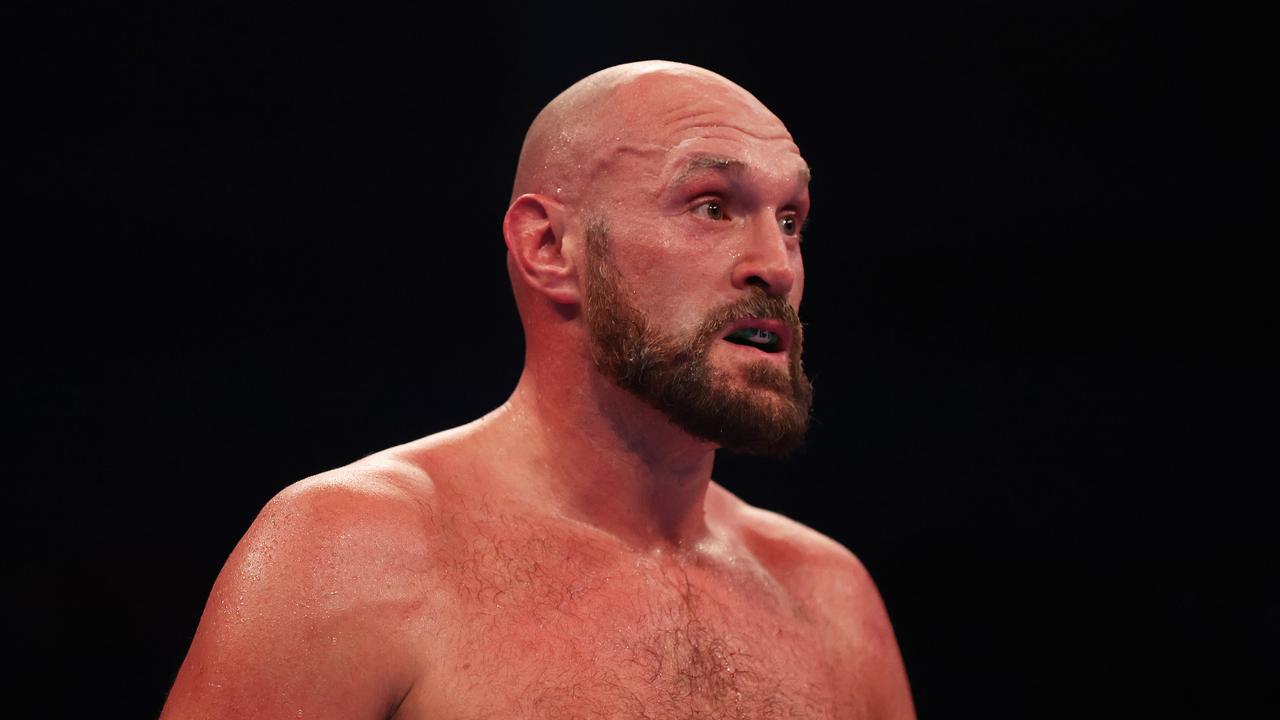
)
(552, 623)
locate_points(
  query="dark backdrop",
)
(249, 245)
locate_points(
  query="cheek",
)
(667, 288)
(668, 285)
(654, 262)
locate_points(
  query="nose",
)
(770, 260)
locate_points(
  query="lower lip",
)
(757, 353)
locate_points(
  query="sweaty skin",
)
(568, 555)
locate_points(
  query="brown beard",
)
(769, 417)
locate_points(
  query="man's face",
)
(693, 292)
(766, 415)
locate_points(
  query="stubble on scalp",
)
(768, 417)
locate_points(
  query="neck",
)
(601, 456)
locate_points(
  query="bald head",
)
(616, 110)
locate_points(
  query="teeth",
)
(755, 335)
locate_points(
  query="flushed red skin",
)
(568, 555)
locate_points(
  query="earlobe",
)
(534, 232)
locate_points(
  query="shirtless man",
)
(568, 555)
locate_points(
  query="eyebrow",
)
(708, 162)
(724, 165)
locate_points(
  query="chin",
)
(758, 410)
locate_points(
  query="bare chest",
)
(550, 627)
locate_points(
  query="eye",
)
(789, 225)
(711, 209)
(792, 224)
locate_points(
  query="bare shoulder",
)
(338, 532)
(795, 553)
(358, 508)
(314, 611)
(832, 584)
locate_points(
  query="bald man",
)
(568, 555)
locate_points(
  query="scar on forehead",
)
(726, 165)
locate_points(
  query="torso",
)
(533, 616)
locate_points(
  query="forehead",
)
(660, 125)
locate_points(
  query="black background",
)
(248, 245)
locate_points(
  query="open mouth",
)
(765, 335)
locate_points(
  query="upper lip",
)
(777, 327)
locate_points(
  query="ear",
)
(534, 231)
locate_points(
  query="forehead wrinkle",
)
(725, 165)
(682, 113)
(729, 121)
(682, 162)
(758, 134)
(761, 129)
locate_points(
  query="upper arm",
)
(870, 643)
(312, 613)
